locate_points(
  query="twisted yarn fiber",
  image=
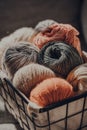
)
(60, 57)
(51, 91)
(28, 76)
(18, 56)
(78, 78)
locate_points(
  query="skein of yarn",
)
(58, 32)
(41, 26)
(22, 34)
(17, 56)
(78, 78)
(51, 91)
(26, 78)
(60, 57)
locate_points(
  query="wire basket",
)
(69, 114)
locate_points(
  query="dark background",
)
(15, 14)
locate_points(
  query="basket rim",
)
(49, 107)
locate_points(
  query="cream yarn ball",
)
(17, 56)
(21, 34)
(26, 78)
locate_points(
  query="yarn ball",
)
(58, 32)
(28, 76)
(42, 25)
(51, 91)
(21, 34)
(78, 78)
(60, 57)
(17, 56)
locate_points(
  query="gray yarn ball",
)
(60, 57)
(17, 56)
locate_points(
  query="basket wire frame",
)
(17, 104)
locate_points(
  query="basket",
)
(69, 114)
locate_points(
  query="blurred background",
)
(15, 14)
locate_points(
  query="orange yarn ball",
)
(50, 91)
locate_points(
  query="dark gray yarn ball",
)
(60, 57)
(18, 56)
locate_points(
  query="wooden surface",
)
(7, 121)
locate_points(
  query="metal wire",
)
(18, 108)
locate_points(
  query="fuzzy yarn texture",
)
(51, 91)
(78, 78)
(41, 26)
(84, 56)
(15, 57)
(26, 78)
(60, 57)
(2, 81)
(58, 32)
(2, 75)
(21, 34)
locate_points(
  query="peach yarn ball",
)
(51, 91)
(28, 76)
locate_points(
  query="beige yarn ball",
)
(17, 56)
(78, 78)
(22, 34)
(26, 78)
